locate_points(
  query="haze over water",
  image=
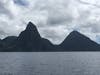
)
(50, 63)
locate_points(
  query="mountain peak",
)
(75, 32)
(31, 26)
(30, 31)
(75, 37)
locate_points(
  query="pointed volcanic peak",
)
(31, 27)
(30, 31)
(75, 35)
(78, 41)
(30, 39)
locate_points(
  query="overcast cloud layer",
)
(55, 19)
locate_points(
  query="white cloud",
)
(54, 18)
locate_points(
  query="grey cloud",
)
(56, 10)
(21, 2)
(4, 10)
(52, 35)
(95, 28)
(87, 3)
(3, 33)
(59, 18)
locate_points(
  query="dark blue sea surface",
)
(50, 63)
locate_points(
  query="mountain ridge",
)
(30, 40)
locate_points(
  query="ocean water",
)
(50, 63)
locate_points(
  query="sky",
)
(55, 19)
